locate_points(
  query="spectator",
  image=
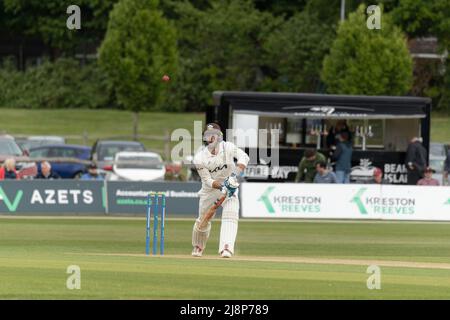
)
(46, 172)
(8, 170)
(333, 135)
(447, 168)
(378, 177)
(92, 173)
(174, 172)
(428, 180)
(307, 166)
(415, 161)
(343, 158)
(323, 175)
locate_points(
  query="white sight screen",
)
(247, 134)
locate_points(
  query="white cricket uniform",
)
(217, 168)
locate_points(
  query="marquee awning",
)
(317, 106)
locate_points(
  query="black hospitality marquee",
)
(321, 106)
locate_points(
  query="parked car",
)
(38, 141)
(437, 164)
(104, 151)
(67, 170)
(10, 149)
(438, 153)
(137, 166)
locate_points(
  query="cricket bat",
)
(211, 211)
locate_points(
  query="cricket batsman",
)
(215, 163)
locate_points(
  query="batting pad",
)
(228, 230)
(200, 237)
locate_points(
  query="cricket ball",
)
(165, 78)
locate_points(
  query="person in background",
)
(307, 166)
(447, 167)
(8, 170)
(323, 175)
(174, 172)
(428, 180)
(343, 158)
(46, 172)
(378, 177)
(416, 160)
(333, 135)
(92, 173)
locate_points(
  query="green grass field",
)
(275, 260)
(96, 123)
(440, 127)
(108, 123)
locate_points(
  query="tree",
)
(295, 52)
(329, 11)
(221, 49)
(421, 18)
(139, 48)
(280, 7)
(417, 18)
(59, 84)
(371, 62)
(46, 20)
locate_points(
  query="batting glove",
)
(231, 185)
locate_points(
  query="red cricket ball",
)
(166, 78)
